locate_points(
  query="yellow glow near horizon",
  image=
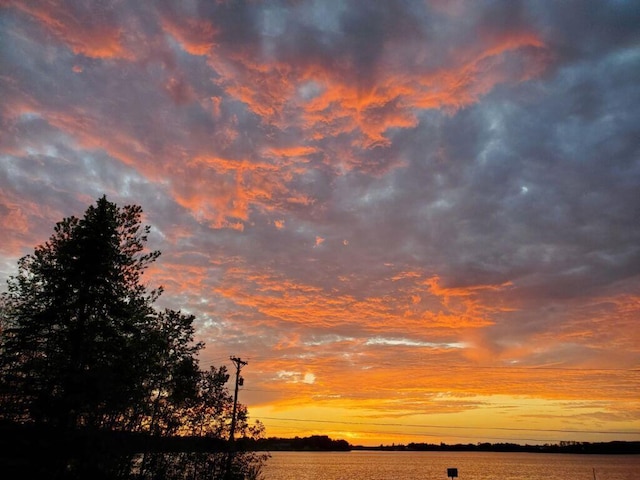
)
(519, 420)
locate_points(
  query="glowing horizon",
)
(416, 220)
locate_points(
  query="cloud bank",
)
(404, 208)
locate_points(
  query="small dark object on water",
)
(452, 472)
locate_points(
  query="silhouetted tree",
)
(83, 352)
(75, 320)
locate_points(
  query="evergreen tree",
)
(85, 357)
(74, 323)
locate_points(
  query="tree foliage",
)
(84, 353)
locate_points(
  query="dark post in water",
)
(452, 472)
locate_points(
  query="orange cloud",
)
(178, 277)
(391, 101)
(357, 369)
(25, 224)
(433, 383)
(15, 223)
(294, 151)
(227, 188)
(196, 36)
(216, 190)
(180, 90)
(590, 326)
(320, 100)
(85, 31)
(278, 300)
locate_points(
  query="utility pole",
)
(239, 364)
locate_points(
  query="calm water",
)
(433, 466)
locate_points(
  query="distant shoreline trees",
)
(608, 448)
(313, 443)
(86, 359)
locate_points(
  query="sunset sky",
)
(417, 221)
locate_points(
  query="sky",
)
(416, 221)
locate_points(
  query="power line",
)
(492, 367)
(440, 435)
(533, 368)
(345, 422)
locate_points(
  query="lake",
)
(377, 465)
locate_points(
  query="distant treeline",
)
(314, 443)
(610, 448)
